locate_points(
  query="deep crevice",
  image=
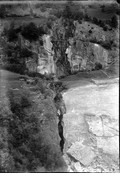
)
(61, 110)
(60, 130)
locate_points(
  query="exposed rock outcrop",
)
(85, 55)
(91, 128)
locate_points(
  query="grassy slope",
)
(39, 122)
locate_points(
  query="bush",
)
(90, 31)
(105, 28)
(12, 34)
(41, 31)
(95, 20)
(25, 53)
(98, 66)
(30, 32)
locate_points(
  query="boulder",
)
(78, 167)
(81, 153)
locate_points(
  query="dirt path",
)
(91, 126)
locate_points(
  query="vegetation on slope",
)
(29, 130)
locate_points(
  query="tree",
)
(41, 31)
(15, 57)
(30, 32)
(12, 33)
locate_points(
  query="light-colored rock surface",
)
(91, 127)
(108, 81)
(109, 145)
(103, 125)
(81, 153)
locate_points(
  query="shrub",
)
(98, 66)
(30, 32)
(90, 31)
(11, 33)
(95, 20)
(26, 53)
(41, 31)
(57, 86)
(105, 28)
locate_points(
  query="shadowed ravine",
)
(61, 110)
(60, 130)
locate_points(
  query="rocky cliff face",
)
(91, 46)
(88, 54)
